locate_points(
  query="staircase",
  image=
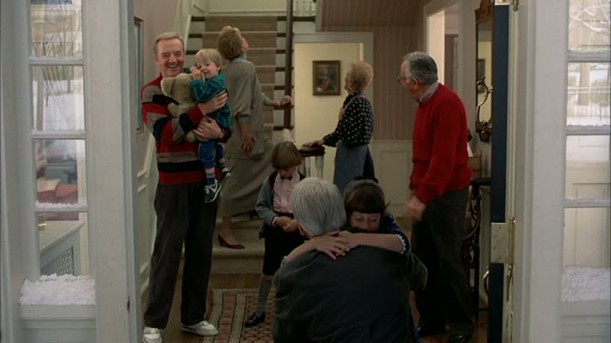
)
(267, 39)
(244, 261)
(266, 36)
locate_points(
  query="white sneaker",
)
(151, 335)
(202, 328)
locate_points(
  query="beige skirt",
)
(240, 191)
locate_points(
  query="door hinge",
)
(128, 304)
(502, 237)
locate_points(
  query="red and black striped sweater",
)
(177, 159)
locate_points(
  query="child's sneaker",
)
(225, 173)
(212, 192)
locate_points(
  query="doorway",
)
(442, 33)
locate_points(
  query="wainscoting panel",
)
(393, 163)
(145, 213)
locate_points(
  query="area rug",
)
(231, 308)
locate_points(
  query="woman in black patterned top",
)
(354, 129)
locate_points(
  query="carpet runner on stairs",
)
(266, 37)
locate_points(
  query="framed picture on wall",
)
(139, 67)
(326, 77)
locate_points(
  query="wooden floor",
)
(173, 334)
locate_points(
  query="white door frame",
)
(12, 264)
(538, 75)
(536, 155)
(110, 159)
(110, 105)
(464, 79)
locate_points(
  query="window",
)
(58, 135)
(587, 216)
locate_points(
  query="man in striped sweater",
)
(182, 215)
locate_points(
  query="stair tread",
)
(251, 50)
(250, 32)
(247, 260)
(279, 18)
(266, 51)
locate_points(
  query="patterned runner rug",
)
(231, 308)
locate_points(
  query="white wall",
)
(157, 17)
(435, 41)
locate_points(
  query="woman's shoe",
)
(224, 243)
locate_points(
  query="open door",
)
(492, 75)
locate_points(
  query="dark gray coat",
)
(360, 297)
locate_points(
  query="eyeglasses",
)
(407, 80)
(401, 79)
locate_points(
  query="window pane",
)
(587, 167)
(589, 25)
(60, 173)
(58, 98)
(588, 94)
(587, 242)
(56, 28)
(63, 245)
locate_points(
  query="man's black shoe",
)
(255, 319)
(459, 339)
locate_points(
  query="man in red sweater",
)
(182, 215)
(437, 204)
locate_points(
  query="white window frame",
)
(109, 162)
(539, 60)
(538, 50)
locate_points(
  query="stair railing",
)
(288, 63)
(304, 8)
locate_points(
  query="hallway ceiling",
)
(366, 13)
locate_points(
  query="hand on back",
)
(331, 244)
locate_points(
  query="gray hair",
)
(318, 206)
(422, 67)
(167, 36)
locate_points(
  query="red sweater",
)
(441, 160)
(177, 160)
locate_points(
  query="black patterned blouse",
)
(356, 126)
